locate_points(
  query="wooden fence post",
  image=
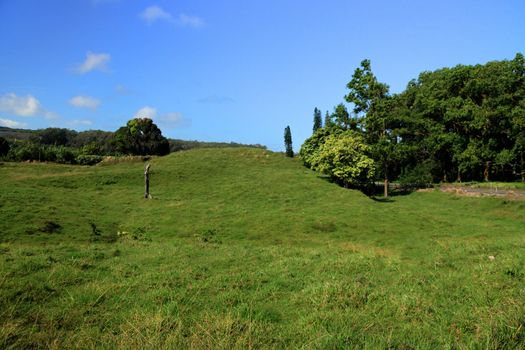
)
(146, 182)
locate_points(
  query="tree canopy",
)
(344, 157)
(141, 136)
(454, 124)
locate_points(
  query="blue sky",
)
(230, 70)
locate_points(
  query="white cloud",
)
(190, 21)
(94, 61)
(24, 106)
(172, 120)
(166, 120)
(11, 123)
(84, 102)
(146, 112)
(154, 13)
(80, 122)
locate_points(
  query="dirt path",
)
(475, 192)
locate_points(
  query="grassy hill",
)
(245, 248)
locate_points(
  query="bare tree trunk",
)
(486, 171)
(146, 182)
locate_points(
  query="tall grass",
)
(244, 248)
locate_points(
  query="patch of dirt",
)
(479, 192)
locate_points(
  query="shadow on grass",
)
(375, 191)
(382, 199)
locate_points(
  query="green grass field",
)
(244, 248)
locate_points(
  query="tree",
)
(95, 142)
(288, 141)
(518, 111)
(344, 157)
(141, 136)
(342, 118)
(4, 147)
(54, 136)
(311, 145)
(369, 98)
(328, 122)
(365, 91)
(461, 123)
(318, 121)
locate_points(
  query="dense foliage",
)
(141, 136)
(453, 124)
(88, 147)
(344, 158)
(4, 147)
(311, 145)
(24, 150)
(138, 137)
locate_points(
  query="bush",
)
(344, 157)
(29, 151)
(24, 150)
(88, 159)
(311, 145)
(91, 148)
(64, 155)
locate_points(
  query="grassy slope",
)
(245, 248)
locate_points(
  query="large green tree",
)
(141, 136)
(342, 118)
(518, 112)
(370, 99)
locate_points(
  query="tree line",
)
(140, 136)
(465, 123)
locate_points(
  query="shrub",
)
(64, 155)
(88, 159)
(311, 145)
(24, 150)
(344, 157)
